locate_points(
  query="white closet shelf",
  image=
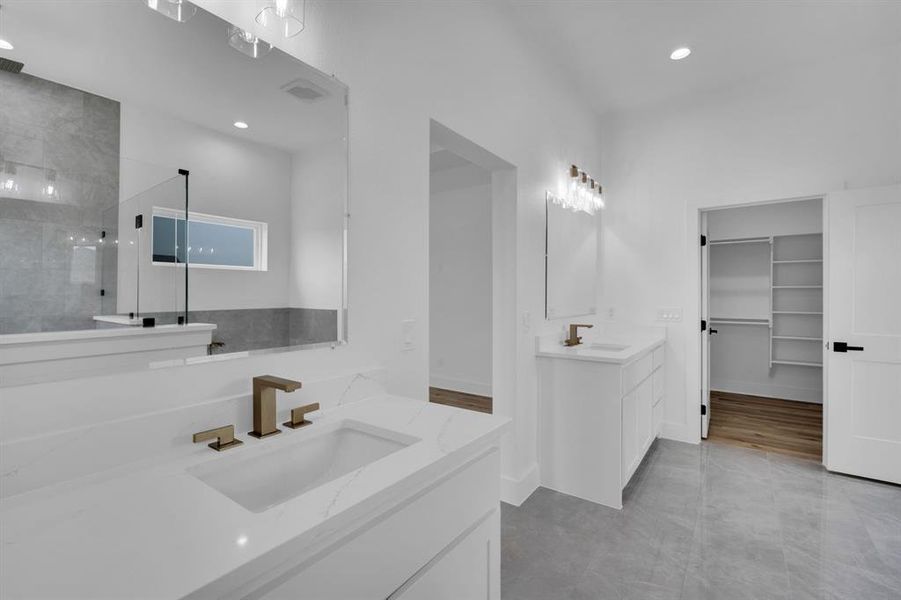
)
(739, 321)
(799, 261)
(795, 312)
(797, 287)
(798, 363)
(797, 338)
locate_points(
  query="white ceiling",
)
(125, 51)
(617, 52)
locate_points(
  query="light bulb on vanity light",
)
(177, 10)
(247, 42)
(285, 17)
(241, 125)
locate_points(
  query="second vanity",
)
(385, 497)
(600, 408)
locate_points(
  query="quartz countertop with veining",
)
(153, 530)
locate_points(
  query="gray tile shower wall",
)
(52, 265)
(260, 328)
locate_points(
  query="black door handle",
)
(714, 331)
(844, 347)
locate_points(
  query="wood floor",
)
(460, 400)
(783, 426)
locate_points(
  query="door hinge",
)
(703, 409)
(703, 325)
(703, 240)
(139, 221)
(102, 292)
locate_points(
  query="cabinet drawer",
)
(635, 372)
(659, 383)
(658, 357)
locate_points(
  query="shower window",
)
(211, 242)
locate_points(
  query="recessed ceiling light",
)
(241, 125)
(680, 53)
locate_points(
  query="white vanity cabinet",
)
(442, 542)
(599, 412)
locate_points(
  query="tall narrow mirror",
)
(571, 262)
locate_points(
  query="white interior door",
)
(863, 380)
(705, 330)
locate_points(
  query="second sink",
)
(608, 347)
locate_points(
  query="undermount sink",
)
(607, 347)
(263, 481)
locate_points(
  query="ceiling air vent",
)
(10, 65)
(305, 90)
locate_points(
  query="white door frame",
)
(695, 354)
(517, 480)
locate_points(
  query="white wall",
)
(801, 133)
(230, 177)
(740, 287)
(318, 192)
(460, 281)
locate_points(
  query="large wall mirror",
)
(571, 261)
(174, 169)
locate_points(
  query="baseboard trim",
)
(812, 396)
(680, 432)
(516, 491)
(460, 385)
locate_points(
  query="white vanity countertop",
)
(114, 332)
(636, 344)
(153, 530)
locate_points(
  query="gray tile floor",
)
(710, 521)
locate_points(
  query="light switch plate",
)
(669, 314)
(407, 328)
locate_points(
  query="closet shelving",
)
(794, 290)
(797, 300)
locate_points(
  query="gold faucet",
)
(225, 438)
(574, 339)
(264, 388)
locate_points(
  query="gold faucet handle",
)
(298, 414)
(224, 436)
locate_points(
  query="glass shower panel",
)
(152, 274)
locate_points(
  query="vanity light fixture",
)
(177, 10)
(582, 194)
(246, 42)
(241, 125)
(4, 43)
(680, 53)
(50, 189)
(285, 17)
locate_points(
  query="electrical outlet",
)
(669, 314)
(407, 328)
(526, 321)
(611, 312)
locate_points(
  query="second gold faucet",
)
(264, 408)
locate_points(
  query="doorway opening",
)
(762, 284)
(472, 197)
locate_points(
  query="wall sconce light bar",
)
(582, 194)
